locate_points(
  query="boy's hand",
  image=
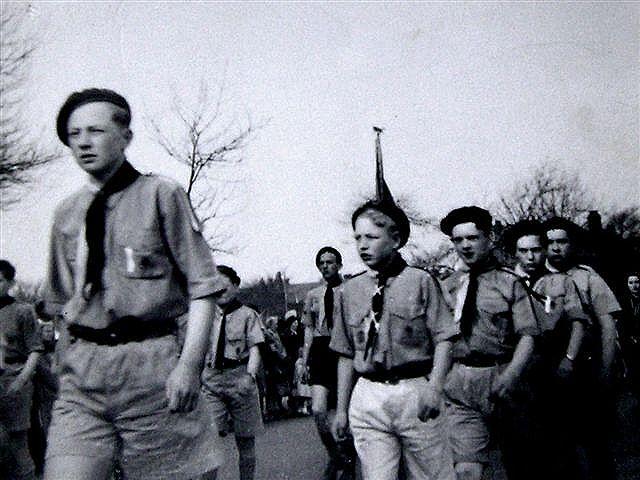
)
(183, 388)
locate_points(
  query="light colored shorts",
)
(468, 410)
(234, 399)
(112, 405)
(386, 428)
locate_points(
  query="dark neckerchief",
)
(469, 308)
(229, 308)
(95, 225)
(393, 269)
(6, 300)
(328, 300)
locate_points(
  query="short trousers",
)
(15, 409)
(234, 399)
(323, 364)
(112, 405)
(468, 411)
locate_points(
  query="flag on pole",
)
(383, 194)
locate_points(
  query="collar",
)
(333, 283)
(393, 269)
(231, 307)
(520, 272)
(553, 269)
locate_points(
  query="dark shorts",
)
(323, 364)
(15, 408)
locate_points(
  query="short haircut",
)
(480, 217)
(399, 221)
(560, 223)
(230, 273)
(633, 273)
(520, 229)
(331, 250)
(8, 271)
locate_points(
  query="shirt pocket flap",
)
(135, 263)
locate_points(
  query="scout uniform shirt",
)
(243, 330)
(414, 319)
(156, 259)
(502, 313)
(314, 315)
(19, 335)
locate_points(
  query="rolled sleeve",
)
(524, 317)
(439, 316)
(58, 283)
(254, 330)
(307, 316)
(572, 305)
(188, 248)
(341, 340)
(602, 298)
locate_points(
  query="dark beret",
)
(521, 229)
(331, 250)
(470, 214)
(230, 273)
(83, 97)
(392, 211)
(559, 223)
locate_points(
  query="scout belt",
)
(124, 330)
(401, 372)
(480, 360)
(230, 363)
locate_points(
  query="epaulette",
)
(355, 275)
(507, 270)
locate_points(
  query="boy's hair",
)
(523, 228)
(230, 273)
(331, 250)
(559, 223)
(8, 271)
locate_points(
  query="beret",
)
(389, 209)
(469, 214)
(90, 95)
(331, 250)
(521, 229)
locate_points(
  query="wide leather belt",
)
(483, 361)
(124, 330)
(229, 363)
(401, 372)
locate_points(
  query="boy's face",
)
(5, 285)
(633, 282)
(96, 140)
(328, 265)
(471, 243)
(529, 253)
(230, 291)
(558, 247)
(376, 245)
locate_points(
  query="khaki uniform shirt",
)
(414, 319)
(19, 336)
(243, 331)
(503, 313)
(156, 259)
(560, 303)
(313, 314)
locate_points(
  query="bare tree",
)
(20, 153)
(624, 223)
(211, 145)
(549, 191)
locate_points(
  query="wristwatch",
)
(570, 358)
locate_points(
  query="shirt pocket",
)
(495, 316)
(236, 344)
(409, 328)
(358, 325)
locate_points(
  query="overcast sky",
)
(471, 96)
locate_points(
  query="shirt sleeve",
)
(524, 317)
(602, 298)
(307, 315)
(254, 329)
(58, 283)
(573, 308)
(439, 316)
(30, 331)
(341, 340)
(188, 248)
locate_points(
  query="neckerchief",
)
(95, 225)
(395, 267)
(6, 300)
(222, 336)
(328, 301)
(469, 307)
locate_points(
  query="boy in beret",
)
(20, 350)
(593, 408)
(126, 259)
(229, 377)
(497, 325)
(393, 332)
